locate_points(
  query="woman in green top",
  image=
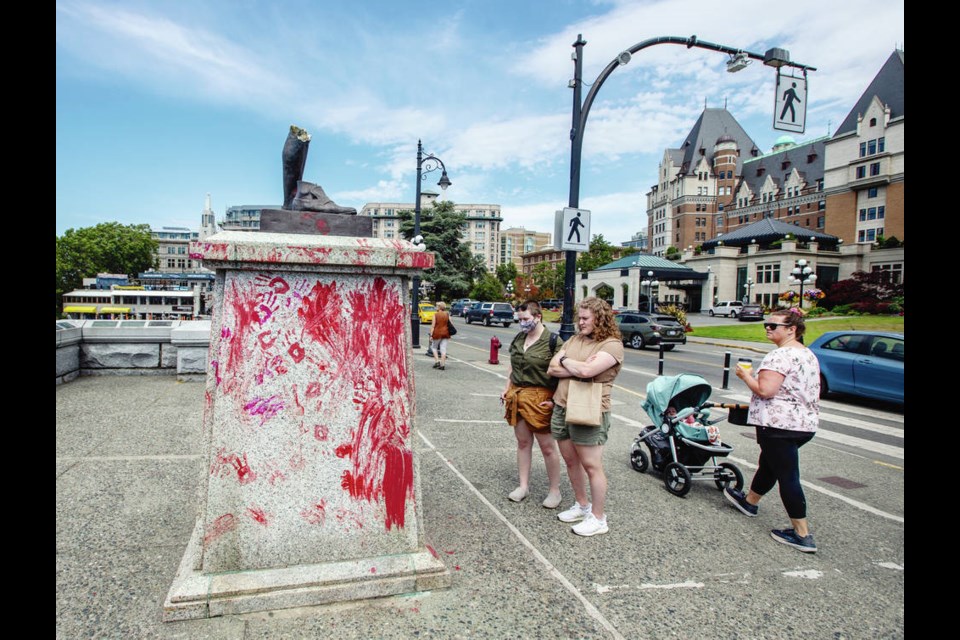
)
(528, 398)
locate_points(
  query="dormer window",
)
(760, 171)
(873, 122)
(811, 157)
(784, 164)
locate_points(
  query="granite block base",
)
(315, 223)
(195, 594)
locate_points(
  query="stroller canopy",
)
(680, 391)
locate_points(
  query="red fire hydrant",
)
(494, 350)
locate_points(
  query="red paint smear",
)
(212, 251)
(275, 476)
(297, 462)
(317, 255)
(262, 338)
(220, 526)
(296, 400)
(315, 513)
(296, 352)
(245, 474)
(321, 432)
(245, 315)
(433, 551)
(279, 285)
(320, 314)
(373, 569)
(313, 389)
(457, 567)
(258, 515)
(220, 462)
(343, 450)
(216, 371)
(323, 227)
(449, 553)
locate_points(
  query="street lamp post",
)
(802, 274)
(424, 166)
(739, 59)
(649, 283)
(747, 286)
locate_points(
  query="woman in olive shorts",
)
(528, 398)
(595, 352)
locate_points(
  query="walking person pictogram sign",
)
(573, 229)
(790, 104)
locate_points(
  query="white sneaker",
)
(591, 526)
(574, 513)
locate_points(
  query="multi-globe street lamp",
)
(739, 59)
(747, 286)
(802, 274)
(649, 283)
(424, 166)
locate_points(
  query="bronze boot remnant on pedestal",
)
(299, 195)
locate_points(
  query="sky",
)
(160, 103)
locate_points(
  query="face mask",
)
(527, 325)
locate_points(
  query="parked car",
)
(730, 308)
(751, 312)
(426, 311)
(862, 363)
(551, 304)
(459, 307)
(640, 329)
(491, 312)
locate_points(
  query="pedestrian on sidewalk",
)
(528, 400)
(785, 407)
(440, 336)
(595, 352)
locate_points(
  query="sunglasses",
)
(771, 326)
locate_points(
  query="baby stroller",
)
(680, 448)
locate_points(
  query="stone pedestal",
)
(311, 488)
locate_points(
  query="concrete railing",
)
(132, 347)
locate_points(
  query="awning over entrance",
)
(114, 309)
(79, 309)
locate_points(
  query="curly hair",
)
(604, 324)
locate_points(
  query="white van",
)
(730, 308)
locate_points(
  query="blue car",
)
(862, 363)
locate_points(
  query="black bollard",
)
(726, 370)
(660, 363)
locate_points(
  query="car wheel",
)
(711, 313)
(486, 321)
(668, 347)
(468, 320)
(733, 314)
(506, 325)
(637, 341)
(824, 387)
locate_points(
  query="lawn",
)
(753, 331)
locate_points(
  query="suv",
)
(639, 329)
(459, 308)
(729, 308)
(490, 312)
(751, 311)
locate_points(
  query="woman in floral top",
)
(785, 408)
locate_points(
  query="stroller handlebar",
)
(724, 405)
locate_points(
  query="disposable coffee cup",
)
(746, 364)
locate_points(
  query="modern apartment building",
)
(516, 241)
(481, 229)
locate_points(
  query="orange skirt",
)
(524, 402)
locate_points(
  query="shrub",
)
(817, 311)
(675, 311)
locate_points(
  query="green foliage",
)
(674, 310)
(605, 292)
(507, 273)
(108, 247)
(817, 311)
(488, 288)
(600, 253)
(549, 279)
(455, 268)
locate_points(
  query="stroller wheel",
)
(728, 474)
(638, 459)
(676, 478)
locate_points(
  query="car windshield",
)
(427, 307)
(503, 307)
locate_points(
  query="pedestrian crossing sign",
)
(790, 103)
(572, 229)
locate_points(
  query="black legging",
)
(780, 462)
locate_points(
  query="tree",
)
(506, 273)
(549, 279)
(488, 288)
(600, 253)
(109, 247)
(862, 286)
(455, 268)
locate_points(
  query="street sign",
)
(572, 229)
(790, 103)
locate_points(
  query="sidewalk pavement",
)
(129, 462)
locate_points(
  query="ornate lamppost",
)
(649, 283)
(747, 286)
(802, 274)
(424, 166)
